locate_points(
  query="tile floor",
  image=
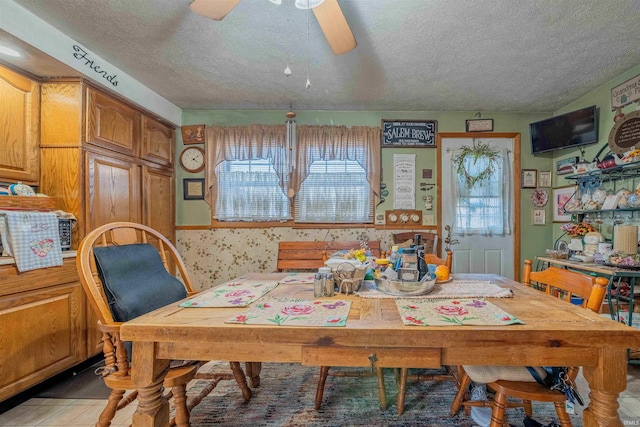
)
(84, 412)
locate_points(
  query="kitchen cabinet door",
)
(157, 142)
(19, 133)
(158, 200)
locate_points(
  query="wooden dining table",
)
(554, 333)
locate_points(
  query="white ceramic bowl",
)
(400, 288)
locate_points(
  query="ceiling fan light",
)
(308, 4)
(276, 1)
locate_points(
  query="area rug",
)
(286, 397)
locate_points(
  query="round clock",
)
(192, 159)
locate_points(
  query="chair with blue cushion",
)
(125, 270)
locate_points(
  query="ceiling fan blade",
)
(335, 27)
(213, 9)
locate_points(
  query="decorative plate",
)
(21, 189)
(539, 197)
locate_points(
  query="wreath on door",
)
(475, 153)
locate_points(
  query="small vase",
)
(576, 244)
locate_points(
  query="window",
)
(332, 173)
(249, 190)
(335, 191)
(483, 208)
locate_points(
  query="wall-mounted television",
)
(568, 130)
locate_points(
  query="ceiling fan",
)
(328, 13)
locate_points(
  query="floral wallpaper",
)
(216, 256)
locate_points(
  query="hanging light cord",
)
(308, 37)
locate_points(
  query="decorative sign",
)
(626, 93)
(83, 56)
(480, 125)
(404, 181)
(409, 133)
(625, 134)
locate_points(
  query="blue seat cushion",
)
(135, 280)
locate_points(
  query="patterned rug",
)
(286, 397)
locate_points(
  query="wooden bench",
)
(312, 255)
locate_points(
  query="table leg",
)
(148, 374)
(606, 381)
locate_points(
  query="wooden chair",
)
(450, 373)
(306, 255)
(563, 284)
(429, 240)
(150, 252)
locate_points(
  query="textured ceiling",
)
(481, 55)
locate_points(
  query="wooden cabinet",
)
(112, 124)
(158, 200)
(113, 189)
(20, 118)
(43, 332)
(157, 142)
(100, 159)
(109, 162)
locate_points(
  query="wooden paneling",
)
(112, 124)
(113, 186)
(157, 142)
(158, 200)
(61, 114)
(19, 133)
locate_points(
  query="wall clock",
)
(192, 159)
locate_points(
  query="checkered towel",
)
(33, 239)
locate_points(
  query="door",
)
(483, 222)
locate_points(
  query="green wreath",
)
(476, 152)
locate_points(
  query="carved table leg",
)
(148, 375)
(606, 381)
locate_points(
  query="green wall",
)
(601, 97)
(534, 239)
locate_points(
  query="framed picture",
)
(538, 217)
(409, 133)
(529, 178)
(565, 166)
(561, 196)
(480, 125)
(544, 180)
(193, 188)
(193, 134)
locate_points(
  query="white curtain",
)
(250, 196)
(483, 208)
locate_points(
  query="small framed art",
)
(193, 188)
(193, 134)
(528, 178)
(565, 166)
(561, 196)
(479, 125)
(544, 179)
(538, 217)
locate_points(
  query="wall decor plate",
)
(539, 197)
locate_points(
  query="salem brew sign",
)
(409, 133)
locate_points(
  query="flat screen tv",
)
(568, 130)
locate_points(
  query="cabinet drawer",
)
(112, 124)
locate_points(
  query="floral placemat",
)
(454, 289)
(448, 312)
(232, 294)
(295, 312)
(298, 278)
